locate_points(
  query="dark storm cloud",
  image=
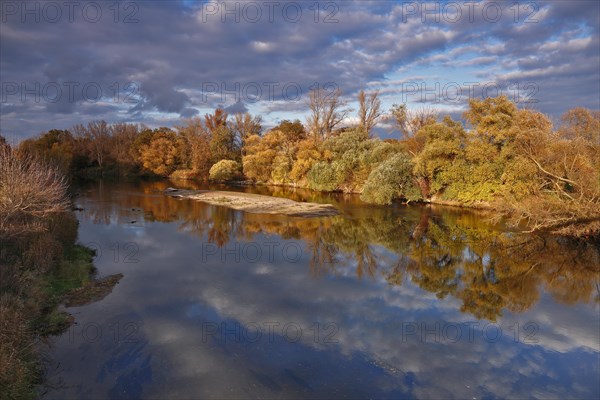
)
(170, 61)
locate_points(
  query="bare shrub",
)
(30, 191)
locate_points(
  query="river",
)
(378, 302)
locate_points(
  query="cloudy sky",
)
(158, 62)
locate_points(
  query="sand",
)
(256, 203)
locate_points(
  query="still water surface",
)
(379, 302)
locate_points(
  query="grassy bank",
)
(37, 270)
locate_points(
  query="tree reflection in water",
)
(448, 252)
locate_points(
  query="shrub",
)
(391, 179)
(30, 191)
(224, 170)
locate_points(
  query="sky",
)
(161, 62)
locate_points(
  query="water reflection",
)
(395, 285)
(446, 252)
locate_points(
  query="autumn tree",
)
(123, 136)
(96, 139)
(216, 120)
(223, 144)
(158, 152)
(55, 146)
(245, 125)
(408, 122)
(270, 158)
(581, 123)
(369, 110)
(197, 139)
(263, 155)
(293, 131)
(564, 188)
(308, 154)
(290, 134)
(327, 111)
(492, 119)
(224, 170)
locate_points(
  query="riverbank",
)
(255, 203)
(41, 271)
(479, 205)
(587, 229)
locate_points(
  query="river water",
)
(378, 302)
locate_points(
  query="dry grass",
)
(17, 369)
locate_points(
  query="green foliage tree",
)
(351, 156)
(325, 177)
(392, 179)
(444, 143)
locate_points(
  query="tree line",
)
(515, 160)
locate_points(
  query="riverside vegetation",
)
(544, 178)
(515, 161)
(450, 252)
(41, 266)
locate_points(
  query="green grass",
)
(74, 271)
